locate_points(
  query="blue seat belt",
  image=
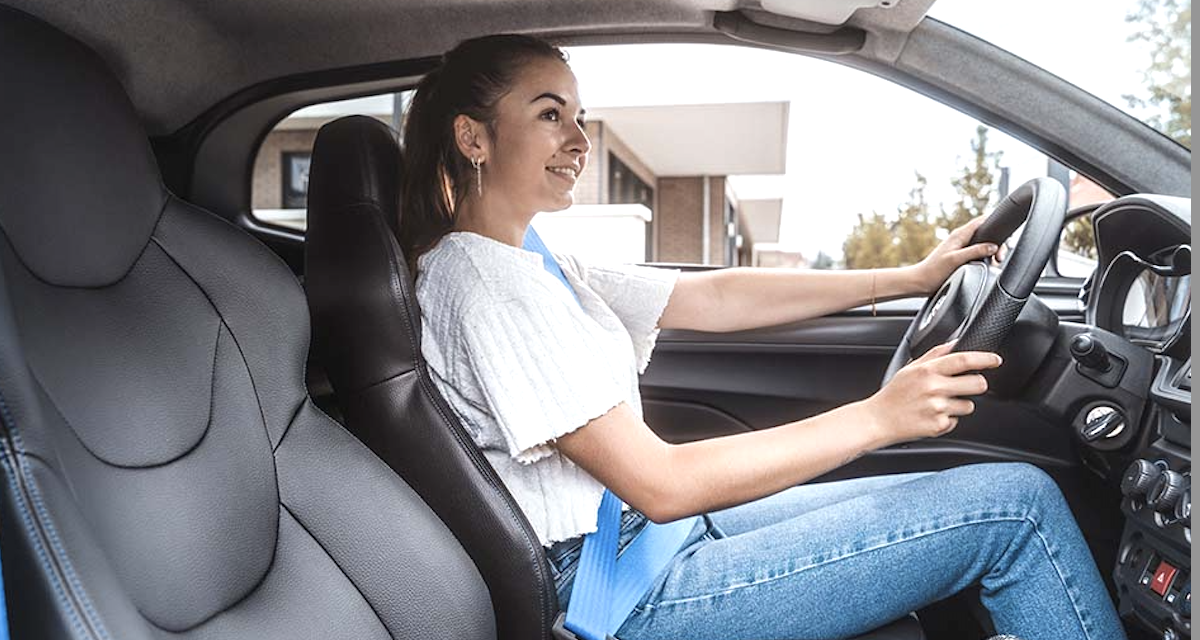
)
(607, 588)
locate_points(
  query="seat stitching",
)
(21, 261)
(397, 271)
(203, 436)
(468, 446)
(74, 589)
(36, 540)
(246, 596)
(232, 335)
(1061, 578)
(354, 584)
(249, 374)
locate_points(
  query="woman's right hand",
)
(926, 397)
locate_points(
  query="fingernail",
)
(999, 361)
(991, 248)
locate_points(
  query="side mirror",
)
(1076, 255)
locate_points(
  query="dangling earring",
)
(478, 164)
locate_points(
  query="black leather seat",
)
(165, 472)
(366, 334)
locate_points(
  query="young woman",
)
(546, 380)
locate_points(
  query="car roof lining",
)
(154, 45)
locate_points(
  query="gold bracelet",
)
(873, 311)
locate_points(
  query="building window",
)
(294, 166)
(625, 187)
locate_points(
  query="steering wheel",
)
(979, 305)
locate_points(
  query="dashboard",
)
(1139, 313)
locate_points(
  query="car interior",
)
(216, 427)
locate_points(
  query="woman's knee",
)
(1018, 482)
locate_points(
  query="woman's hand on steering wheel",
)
(950, 254)
(926, 398)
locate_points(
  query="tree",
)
(822, 261)
(1079, 237)
(915, 233)
(974, 184)
(1166, 25)
(871, 244)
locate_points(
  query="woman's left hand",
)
(952, 253)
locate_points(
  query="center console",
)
(1153, 571)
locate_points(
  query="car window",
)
(279, 192)
(746, 157)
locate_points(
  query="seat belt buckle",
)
(560, 631)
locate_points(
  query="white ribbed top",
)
(522, 363)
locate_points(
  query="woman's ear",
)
(470, 136)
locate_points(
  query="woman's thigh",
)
(800, 500)
(856, 563)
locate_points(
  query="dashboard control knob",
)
(1102, 422)
(1183, 507)
(1089, 352)
(1138, 478)
(1166, 490)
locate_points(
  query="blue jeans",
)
(838, 559)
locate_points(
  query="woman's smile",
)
(568, 174)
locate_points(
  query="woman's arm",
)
(749, 298)
(667, 482)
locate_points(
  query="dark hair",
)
(471, 79)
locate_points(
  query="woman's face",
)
(540, 148)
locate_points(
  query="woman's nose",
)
(579, 141)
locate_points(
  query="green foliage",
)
(871, 245)
(877, 241)
(1166, 25)
(1079, 237)
(916, 234)
(976, 184)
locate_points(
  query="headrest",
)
(80, 191)
(365, 321)
(359, 163)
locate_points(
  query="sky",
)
(854, 140)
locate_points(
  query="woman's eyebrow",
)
(553, 96)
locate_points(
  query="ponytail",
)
(470, 81)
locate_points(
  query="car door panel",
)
(701, 385)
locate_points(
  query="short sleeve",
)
(542, 373)
(637, 295)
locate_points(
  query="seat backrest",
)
(366, 334)
(165, 472)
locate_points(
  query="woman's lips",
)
(566, 173)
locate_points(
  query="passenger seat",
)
(165, 472)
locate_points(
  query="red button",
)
(1162, 578)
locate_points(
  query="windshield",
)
(1134, 54)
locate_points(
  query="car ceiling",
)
(177, 58)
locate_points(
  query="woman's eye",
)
(551, 115)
